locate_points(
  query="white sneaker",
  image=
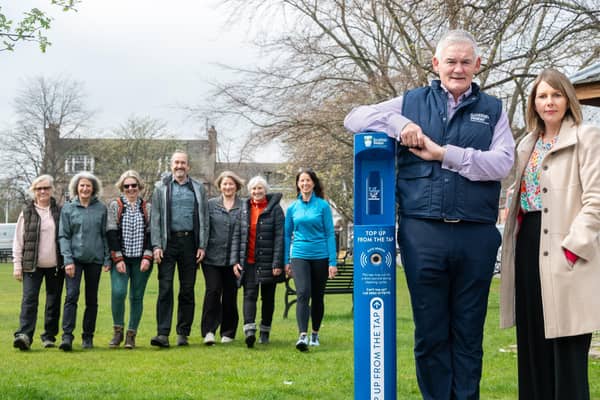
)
(314, 339)
(226, 339)
(209, 339)
(302, 343)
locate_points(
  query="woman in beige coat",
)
(551, 253)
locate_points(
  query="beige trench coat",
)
(570, 186)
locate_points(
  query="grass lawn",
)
(275, 371)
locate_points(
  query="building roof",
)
(587, 85)
(589, 74)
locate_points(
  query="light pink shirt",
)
(46, 245)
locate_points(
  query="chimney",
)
(212, 140)
(51, 135)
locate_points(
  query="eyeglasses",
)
(40, 188)
(131, 185)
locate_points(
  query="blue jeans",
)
(91, 274)
(310, 277)
(137, 280)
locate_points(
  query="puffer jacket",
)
(268, 251)
(222, 225)
(31, 235)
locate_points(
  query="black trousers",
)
(549, 369)
(267, 298)
(180, 251)
(220, 301)
(91, 273)
(32, 282)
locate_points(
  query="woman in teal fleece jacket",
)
(310, 255)
(83, 244)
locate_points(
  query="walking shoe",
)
(47, 343)
(182, 340)
(263, 338)
(66, 344)
(87, 343)
(250, 338)
(209, 339)
(314, 339)
(302, 343)
(130, 339)
(117, 337)
(226, 339)
(160, 341)
(22, 342)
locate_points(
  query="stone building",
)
(107, 158)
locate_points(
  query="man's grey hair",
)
(453, 37)
(96, 184)
(258, 180)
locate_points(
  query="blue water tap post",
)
(374, 267)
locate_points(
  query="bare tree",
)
(140, 143)
(46, 107)
(331, 55)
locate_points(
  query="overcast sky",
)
(135, 57)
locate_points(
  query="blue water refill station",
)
(374, 267)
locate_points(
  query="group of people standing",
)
(454, 148)
(239, 242)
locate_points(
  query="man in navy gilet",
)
(455, 148)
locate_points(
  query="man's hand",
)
(429, 151)
(158, 255)
(412, 136)
(199, 255)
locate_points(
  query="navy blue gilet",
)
(424, 189)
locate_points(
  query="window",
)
(79, 162)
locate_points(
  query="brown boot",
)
(130, 339)
(117, 337)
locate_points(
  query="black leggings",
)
(310, 277)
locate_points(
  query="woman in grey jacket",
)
(220, 298)
(258, 245)
(82, 236)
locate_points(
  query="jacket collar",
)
(237, 203)
(93, 200)
(567, 136)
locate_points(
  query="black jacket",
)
(268, 251)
